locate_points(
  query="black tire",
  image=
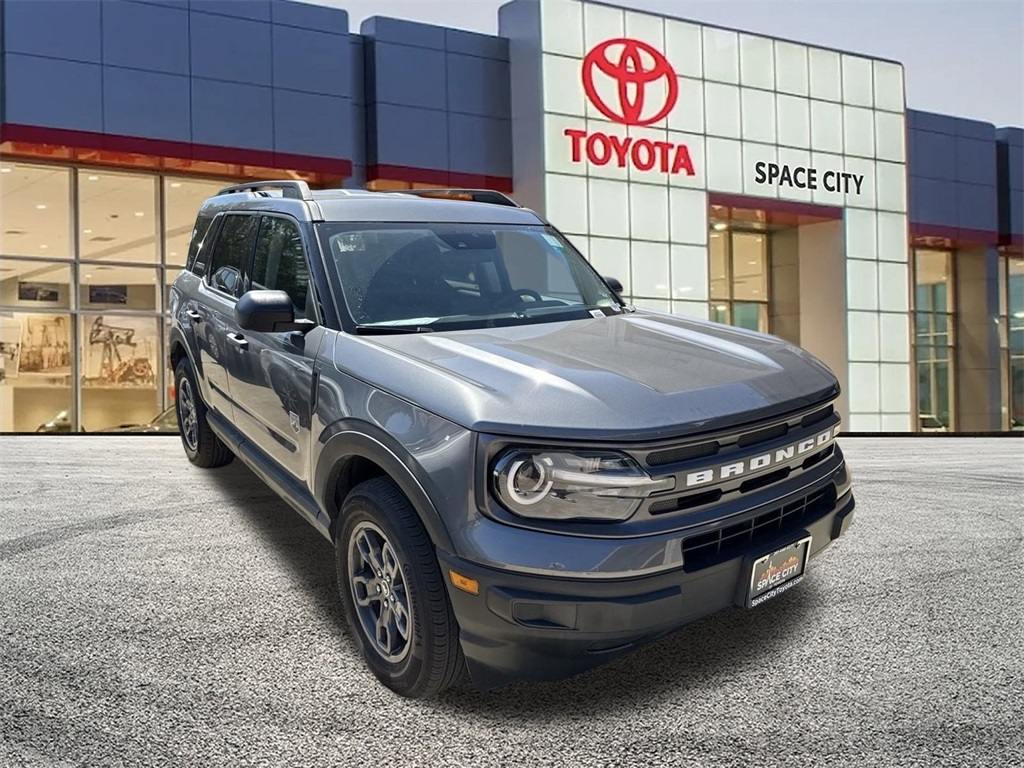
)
(207, 451)
(433, 661)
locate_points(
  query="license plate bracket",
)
(778, 571)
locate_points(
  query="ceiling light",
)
(44, 247)
(1019, 315)
(88, 277)
(86, 231)
(41, 206)
(174, 253)
(93, 178)
(751, 263)
(139, 214)
(175, 184)
(5, 170)
(720, 307)
(720, 225)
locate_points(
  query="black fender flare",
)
(350, 438)
(176, 336)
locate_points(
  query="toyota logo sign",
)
(628, 71)
(631, 83)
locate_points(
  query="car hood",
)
(627, 377)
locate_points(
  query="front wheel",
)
(393, 593)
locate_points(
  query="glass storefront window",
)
(33, 284)
(120, 371)
(36, 205)
(1011, 309)
(83, 335)
(35, 372)
(749, 266)
(105, 286)
(738, 263)
(934, 342)
(182, 198)
(117, 217)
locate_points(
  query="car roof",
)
(356, 205)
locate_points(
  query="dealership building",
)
(770, 184)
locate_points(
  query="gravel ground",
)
(156, 614)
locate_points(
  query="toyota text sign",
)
(631, 83)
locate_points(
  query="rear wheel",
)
(202, 446)
(393, 593)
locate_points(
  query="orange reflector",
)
(465, 583)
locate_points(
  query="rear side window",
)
(280, 262)
(203, 221)
(231, 251)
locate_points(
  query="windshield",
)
(404, 277)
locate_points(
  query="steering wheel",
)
(520, 292)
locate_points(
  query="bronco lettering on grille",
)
(761, 461)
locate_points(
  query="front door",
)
(213, 316)
(273, 390)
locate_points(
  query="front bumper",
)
(528, 627)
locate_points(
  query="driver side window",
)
(280, 263)
(231, 252)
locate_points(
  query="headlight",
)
(556, 485)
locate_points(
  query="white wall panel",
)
(857, 81)
(683, 47)
(721, 55)
(562, 28)
(757, 62)
(688, 216)
(689, 272)
(648, 212)
(725, 165)
(611, 259)
(757, 111)
(791, 74)
(825, 74)
(722, 110)
(609, 208)
(650, 263)
(566, 208)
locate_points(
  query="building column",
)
(978, 372)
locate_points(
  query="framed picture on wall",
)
(120, 352)
(45, 346)
(10, 347)
(29, 291)
(108, 294)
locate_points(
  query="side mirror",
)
(614, 284)
(269, 312)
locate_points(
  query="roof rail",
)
(290, 188)
(475, 195)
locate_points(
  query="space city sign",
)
(803, 177)
(618, 75)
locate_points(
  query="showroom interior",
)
(100, 181)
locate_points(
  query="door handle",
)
(192, 315)
(238, 340)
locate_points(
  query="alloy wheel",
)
(187, 415)
(381, 596)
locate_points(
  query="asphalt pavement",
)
(156, 614)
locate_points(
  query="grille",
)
(814, 418)
(762, 435)
(682, 453)
(727, 542)
(755, 483)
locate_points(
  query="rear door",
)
(214, 318)
(273, 390)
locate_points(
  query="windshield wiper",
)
(370, 330)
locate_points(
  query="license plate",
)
(773, 574)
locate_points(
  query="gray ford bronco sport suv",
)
(522, 476)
